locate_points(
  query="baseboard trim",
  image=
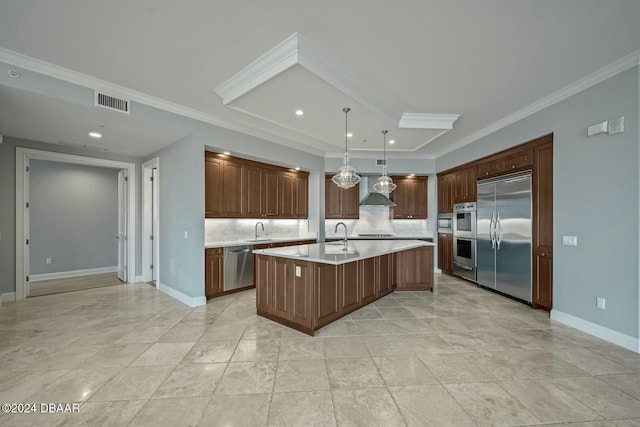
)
(138, 279)
(185, 299)
(437, 270)
(72, 273)
(615, 337)
(8, 297)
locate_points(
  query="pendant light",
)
(346, 176)
(384, 184)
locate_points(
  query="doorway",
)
(126, 216)
(150, 222)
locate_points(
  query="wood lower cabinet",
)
(445, 252)
(368, 277)
(213, 272)
(308, 295)
(410, 196)
(328, 291)
(414, 269)
(341, 203)
(542, 279)
(350, 286)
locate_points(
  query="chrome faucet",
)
(345, 232)
(261, 225)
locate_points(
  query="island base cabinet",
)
(414, 269)
(307, 295)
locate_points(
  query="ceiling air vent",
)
(381, 162)
(112, 103)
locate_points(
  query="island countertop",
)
(335, 253)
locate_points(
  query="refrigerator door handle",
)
(491, 231)
(498, 233)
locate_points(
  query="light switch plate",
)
(570, 240)
(298, 271)
(601, 302)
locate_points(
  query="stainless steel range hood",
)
(372, 197)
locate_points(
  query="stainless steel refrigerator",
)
(504, 237)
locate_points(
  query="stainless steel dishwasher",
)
(238, 267)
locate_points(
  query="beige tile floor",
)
(460, 356)
(70, 284)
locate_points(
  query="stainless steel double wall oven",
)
(464, 240)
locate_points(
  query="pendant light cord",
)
(346, 129)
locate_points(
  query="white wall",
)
(596, 195)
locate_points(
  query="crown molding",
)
(269, 65)
(38, 66)
(626, 62)
(427, 121)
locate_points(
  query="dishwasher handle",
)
(239, 251)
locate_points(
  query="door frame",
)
(23, 156)
(150, 218)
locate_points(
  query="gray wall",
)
(596, 188)
(73, 217)
(8, 204)
(181, 201)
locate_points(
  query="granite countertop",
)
(260, 241)
(335, 253)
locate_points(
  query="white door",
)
(123, 214)
(154, 223)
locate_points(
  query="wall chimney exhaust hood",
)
(372, 197)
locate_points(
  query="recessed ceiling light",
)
(299, 112)
(96, 135)
(226, 153)
(392, 141)
(412, 174)
(349, 135)
(297, 168)
(14, 73)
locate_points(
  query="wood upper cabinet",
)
(543, 226)
(213, 205)
(213, 272)
(238, 188)
(512, 160)
(410, 196)
(341, 203)
(446, 192)
(465, 185)
(445, 252)
(414, 269)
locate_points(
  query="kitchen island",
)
(307, 287)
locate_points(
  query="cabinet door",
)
(489, 168)
(414, 269)
(213, 187)
(384, 275)
(281, 284)
(518, 160)
(327, 294)
(401, 198)
(253, 191)
(331, 199)
(270, 193)
(542, 279)
(302, 294)
(368, 280)
(349, 202)
(286, 189)
(264, 282)
(349, 285)
(302, 196)
(465, 185)
(445, 252)
(418, 198)
(213, 274)
(232, 189)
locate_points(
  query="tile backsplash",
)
(375, 219)
(227, 230)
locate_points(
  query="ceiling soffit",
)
(297, 74)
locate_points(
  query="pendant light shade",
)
(346, 176)
(384, 184)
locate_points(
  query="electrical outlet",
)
(49, 260)
(601, 302)
(570, 240)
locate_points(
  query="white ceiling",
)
(483, 60)
(39, 118)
